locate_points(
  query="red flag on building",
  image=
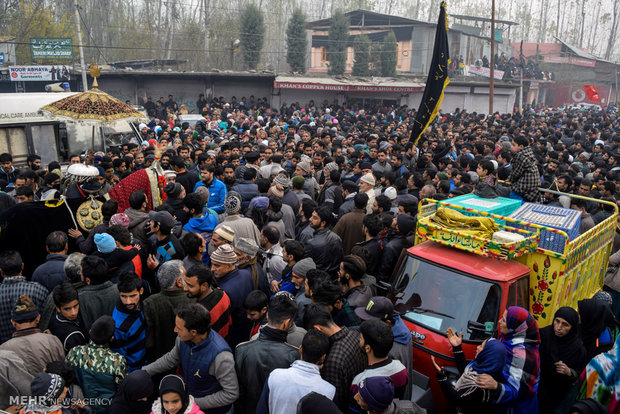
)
(591, 92)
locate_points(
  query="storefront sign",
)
(570, 61)
(346, 87)
(38, 73)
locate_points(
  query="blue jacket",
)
(130, 335)
(51, 272)
(217, 194)
(196, 360)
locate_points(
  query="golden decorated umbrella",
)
(93, 106)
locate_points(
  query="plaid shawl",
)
(525, 178)
(522, 358)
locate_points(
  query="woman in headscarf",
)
(174, 398)
(134, 394)
(601, 379)
(597, 321)
(490, 359)
(520, 336)
(562, 358)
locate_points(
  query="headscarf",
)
(602, 378)
(173, 383)
(135, 386)
(522, 359)
(568, 349)
(491, 360)
(596, 316)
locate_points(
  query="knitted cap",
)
(224, 254)
(120, 219)
(225, 233)
(283, 180)
(47, 386)
(232, 203)
(301, 267)
(377, 392)
(368, 179)
(247, 246)
(332, 166)
(173, 190)
(298, 182)
(25, 310)
(105, 243)
(304, 165)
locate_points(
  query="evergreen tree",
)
(389, 58)
(296, 41)
(252, 33)
(362, 55)
(337, 43)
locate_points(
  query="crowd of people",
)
(254, 279)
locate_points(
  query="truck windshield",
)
(440, 298)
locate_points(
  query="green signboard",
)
(46, 49)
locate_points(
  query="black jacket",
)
(391, 253)
(70, 333)
(254, 361)
(325, 248)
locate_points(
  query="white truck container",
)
(23, 130)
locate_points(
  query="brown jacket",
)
(35, 348)
(349, 229)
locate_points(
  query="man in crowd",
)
(205, 357)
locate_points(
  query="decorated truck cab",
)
(461, 280)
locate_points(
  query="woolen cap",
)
(377, 392)
(224, 254)
(283, 180)
(304, 165)
(47, 386)
(226, 233)
(368, 179)
(247, 246)
(173, 190)
(232, 203)
(120, 219)
(298, 182)
(105, 243)
(25, 310)
(301, 267)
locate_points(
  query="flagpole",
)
(492, 80)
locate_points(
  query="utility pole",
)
(492, 74)
(79, 34)
(521, 91)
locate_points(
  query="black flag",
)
(437, 79)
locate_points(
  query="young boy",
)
(130, 332)
(486, 172)
(255, 305)
(65, 324)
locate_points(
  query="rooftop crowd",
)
(258, 285)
